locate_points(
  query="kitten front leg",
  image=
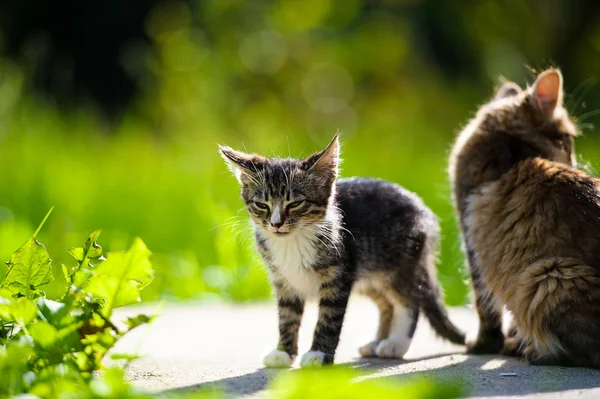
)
(490, 338)
(332, 308)
(290, 308)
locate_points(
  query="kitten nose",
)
(276, 218)
(277, 224)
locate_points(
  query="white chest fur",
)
(293, 256)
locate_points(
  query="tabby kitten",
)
(531, 226)
(320, 237)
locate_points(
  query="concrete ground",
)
(192, 345)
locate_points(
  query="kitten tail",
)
(433, 308)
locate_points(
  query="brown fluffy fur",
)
(531, 227)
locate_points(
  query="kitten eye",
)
(261, 205)
(294, 204)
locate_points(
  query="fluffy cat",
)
(320, 237)
(531, 226)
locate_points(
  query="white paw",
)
(368, 350)
(312, 359)
(277, 358)
(395, 349)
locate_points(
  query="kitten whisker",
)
(252, 179)
(229, 222)
(590, 82)
(331, 230)
(287, 181)
(587, 115)
(241, 231)
(337, 251)
(240, 210)
(585, 126)
(322, 242)
(325, 232)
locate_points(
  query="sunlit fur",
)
(531, 226)
(319, 236)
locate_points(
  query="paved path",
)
(190, 345)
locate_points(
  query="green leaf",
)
(92, 249)
(43, 334)
(55, 313)
(66, 273)
(29, 268)
(124, 356)
(49, 347)
(338, 382)
(81, 277)
(133, 322)
(122, 276)
(5, 293)
(13, 367)
(77, 253)
(22, 311)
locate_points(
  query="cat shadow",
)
(373, 364)
(258, 380)
(481, 375)
(246, 384)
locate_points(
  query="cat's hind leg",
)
(558, 309)
(490, 338)
(386, 313)
(403, 326)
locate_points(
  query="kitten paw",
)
(392, 349)
(313, 359)
(277, 359)
(369, 349)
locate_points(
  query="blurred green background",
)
(111, 111)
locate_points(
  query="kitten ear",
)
(325, 162)
(508, 89)
(244, 166)
(547, 91)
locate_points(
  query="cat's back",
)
(543, 206)
(369, 204)
(542, 187)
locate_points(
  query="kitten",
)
(531, 226)
(321, 236)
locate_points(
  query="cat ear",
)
(508, 89)
(244, 166)
(325, 162)
(547, 91)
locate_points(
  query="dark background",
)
(77, 45)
